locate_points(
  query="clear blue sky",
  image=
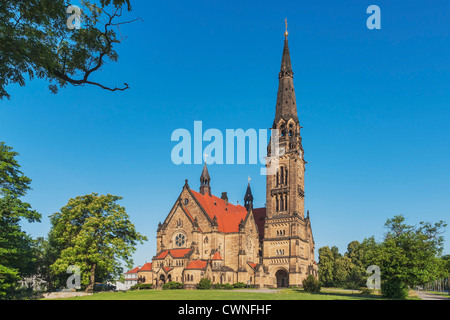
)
(374, 104)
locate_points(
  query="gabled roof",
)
(146, 267)
(228, 215)
(167, 269)
(197, 264)
(175, 253)
(217, 256)
(135, 270)
(253, 265)
(186, 211)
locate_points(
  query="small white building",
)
(131, 278)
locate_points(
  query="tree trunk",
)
(90, 287)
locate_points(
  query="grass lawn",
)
(285, 294)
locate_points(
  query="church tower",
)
(205, 187)
(288, 245)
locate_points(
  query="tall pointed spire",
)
(286, 103)
(205, 187)
(248, 198)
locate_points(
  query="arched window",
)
(283, 129)
(278, 178)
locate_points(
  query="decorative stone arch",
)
(281, 277)
(291, 127)
(282, 127)
(161, 279)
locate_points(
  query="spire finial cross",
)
(286, 33)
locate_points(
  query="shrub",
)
(172, 285)
(311, 284)
(135, 287)
(394, 289)
(239, 285)
(224, 286)
(204, 284)
(142, 286)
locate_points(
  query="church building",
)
(205, 236)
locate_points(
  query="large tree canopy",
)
(15, 245)
(94, 233)
(35, 41)
(407, 256)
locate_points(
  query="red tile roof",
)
(135, 270)
(190, 216)
(146, 267)
(253, 265)
(217, 256)
(228, 215)
(197, 264)
(260, 217)
(167, 269)
(176, 253)
(187, 212)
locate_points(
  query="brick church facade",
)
(205, 236)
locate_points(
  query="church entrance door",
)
(162, 280)
(282, 279)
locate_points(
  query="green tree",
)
(446, 265)
(46, 254)
(94, 233)
(36, 42)
(326, 266)
(408, 256)
(342, 267)
(16, 252)
(357, 275)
